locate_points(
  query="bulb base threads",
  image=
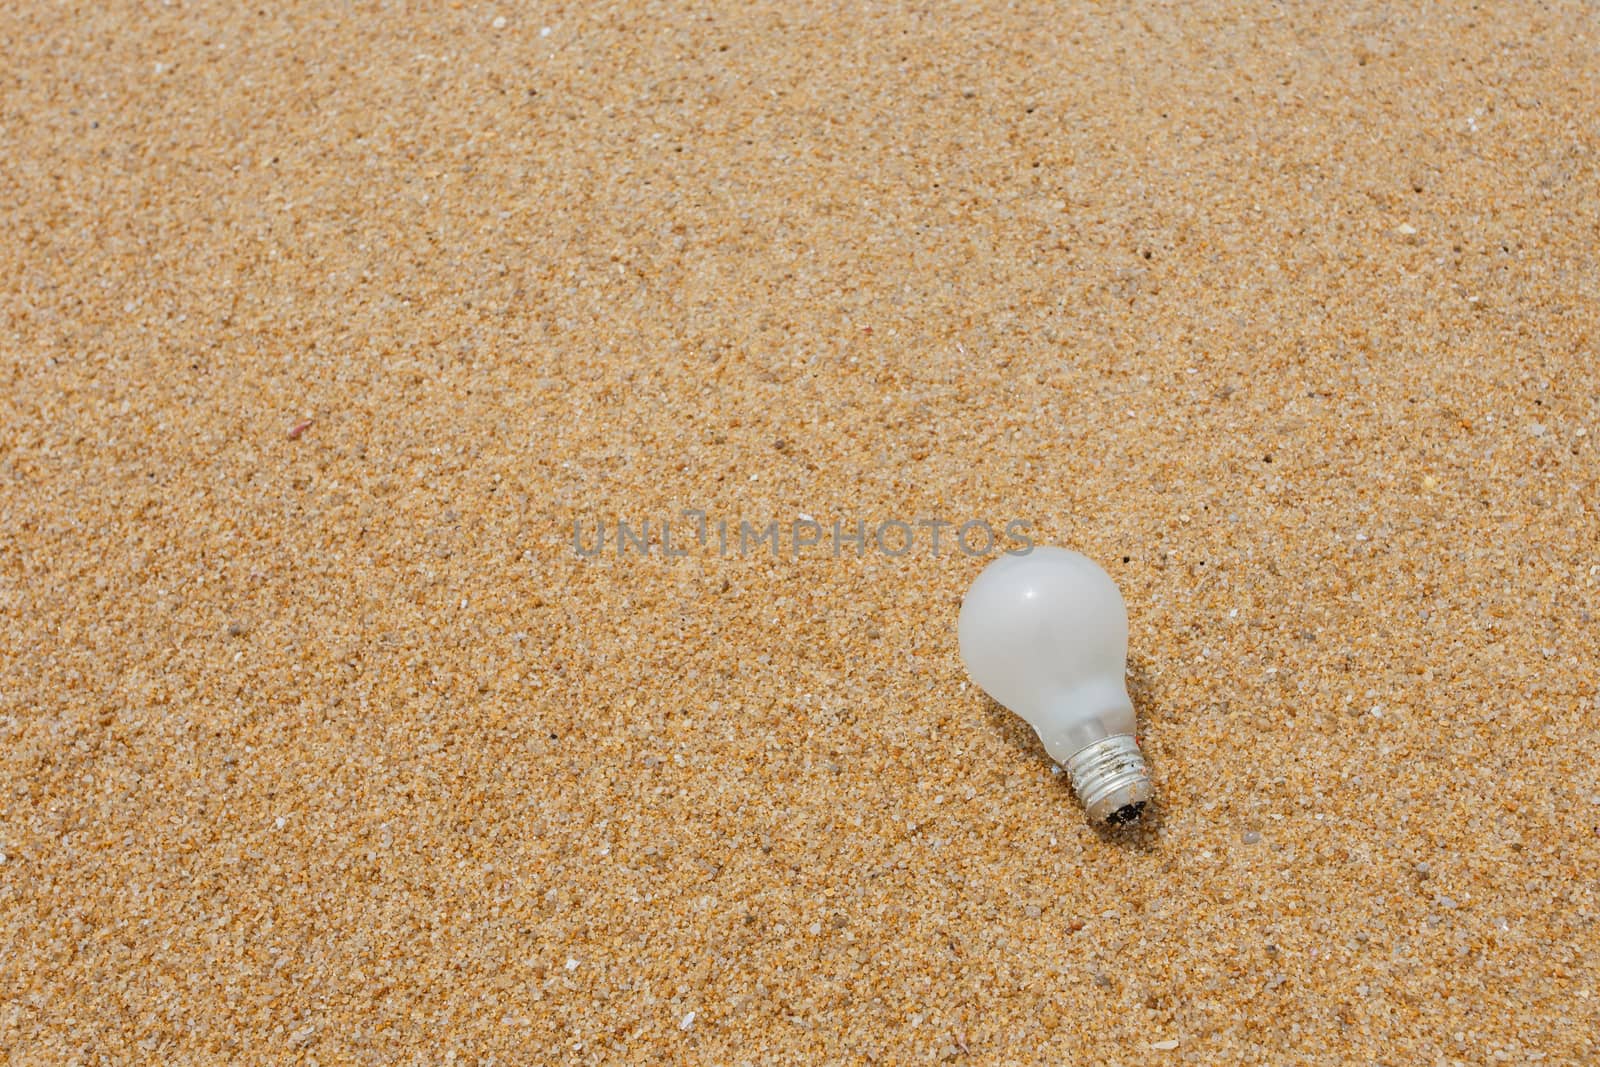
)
(1112, 780)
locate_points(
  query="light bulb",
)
(1046, 634)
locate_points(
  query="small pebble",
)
(1252, 837)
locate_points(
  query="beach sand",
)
(324, 327)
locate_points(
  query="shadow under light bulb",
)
(1045, 633)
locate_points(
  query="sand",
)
(321, 326)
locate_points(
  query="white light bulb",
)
(1046, 634)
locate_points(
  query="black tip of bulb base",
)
(1128, 813)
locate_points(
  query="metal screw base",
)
(1111, 779)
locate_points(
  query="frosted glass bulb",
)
(1046, 634)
